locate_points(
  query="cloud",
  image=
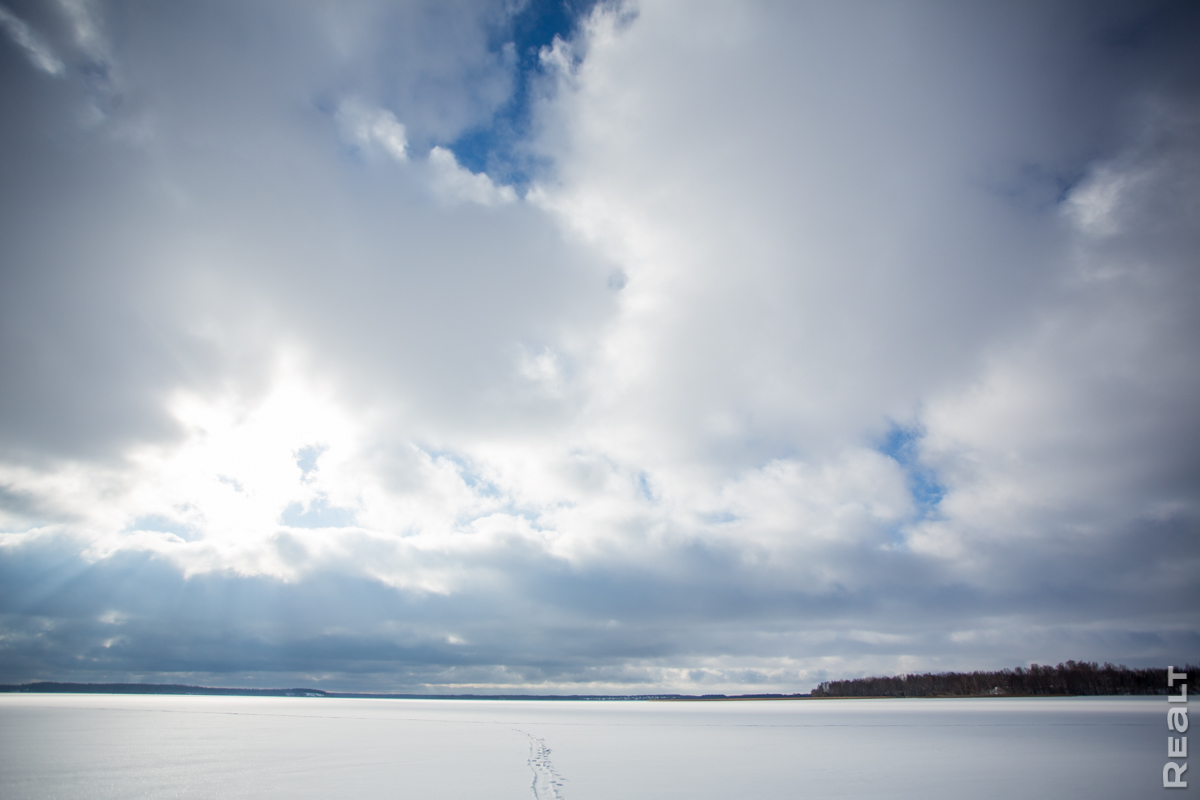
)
(818, 343)
(85, 29)
(1073, 435)
(454, 183)
(40, 55)
(372, 128)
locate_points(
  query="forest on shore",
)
(1070, 678)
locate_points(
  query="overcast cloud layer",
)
(656, 346)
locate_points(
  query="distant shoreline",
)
(54, 687)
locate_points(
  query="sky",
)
(573, 347)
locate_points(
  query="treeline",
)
(1071, 678)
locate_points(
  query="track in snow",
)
(547, 784)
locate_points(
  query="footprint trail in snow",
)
(547, 784)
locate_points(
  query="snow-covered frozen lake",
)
(121, 746)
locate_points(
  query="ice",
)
(159, 746)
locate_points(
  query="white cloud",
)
(455, 183)
(372, 129)
(39, 52)
(1095, 205)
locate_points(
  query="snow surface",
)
(122, 746)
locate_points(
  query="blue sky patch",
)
(306, 459)
(901, 445)
(491, 148)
